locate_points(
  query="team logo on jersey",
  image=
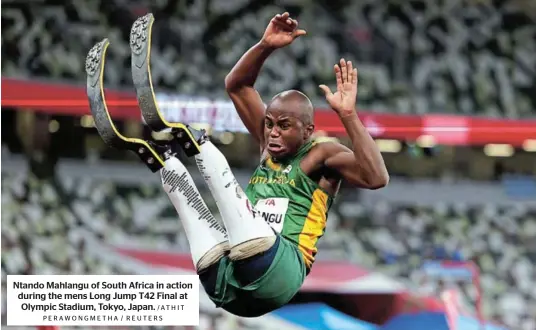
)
(287, 170)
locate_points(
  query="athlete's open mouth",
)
(274, 147)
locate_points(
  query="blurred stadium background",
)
(448, 89)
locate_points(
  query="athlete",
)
(256, 259)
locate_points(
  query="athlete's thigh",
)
(272, 290)
(216, 283)
(284, 278)
(275, 288)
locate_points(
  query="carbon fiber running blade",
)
(140, 46)
(95, 62)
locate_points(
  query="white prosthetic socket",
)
(206, 235)
(248, 233)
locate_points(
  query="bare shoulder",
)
(328, 147)
(321, 150)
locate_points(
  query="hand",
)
(281, 31)
(344, 99)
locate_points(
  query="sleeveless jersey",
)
(291, 202)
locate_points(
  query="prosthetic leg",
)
(140, 46)
(242, 230)
(207, 236)
(248, 233)
(149, 151)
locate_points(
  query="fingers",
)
(326, 90)
(350, 69)
(345, 72)
(285, 19)
(338, 76)
(283, 16)
(282, 24)
(285, 22)
(299, 33)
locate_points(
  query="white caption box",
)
(99, 300)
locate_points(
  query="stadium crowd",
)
(471, 57)
(44, 223)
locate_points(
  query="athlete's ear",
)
(309, 129)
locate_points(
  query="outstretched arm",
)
(239, 85)
(364, 166)
(281, 31)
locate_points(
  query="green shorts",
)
(273, 290)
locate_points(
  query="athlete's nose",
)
(274, 132)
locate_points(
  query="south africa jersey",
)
(291, 202)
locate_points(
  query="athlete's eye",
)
(285, 125)
(269, 124)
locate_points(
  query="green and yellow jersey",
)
(292, 203)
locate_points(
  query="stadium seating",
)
(498, 239)
(38, 226)
(414, 57)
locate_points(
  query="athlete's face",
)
(284, 129)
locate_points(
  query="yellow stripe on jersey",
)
(314, 226)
